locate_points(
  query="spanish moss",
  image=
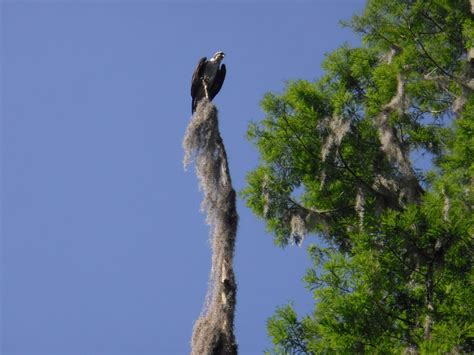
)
(213, 332)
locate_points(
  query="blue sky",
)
(104, 250)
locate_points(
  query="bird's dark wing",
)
(218, 81)
(196, 82)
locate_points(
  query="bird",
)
(208, 78)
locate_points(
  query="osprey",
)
(208, 78)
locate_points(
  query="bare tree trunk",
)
(213, 332)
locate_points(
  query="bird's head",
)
(218, 56)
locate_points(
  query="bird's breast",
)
(211, 70)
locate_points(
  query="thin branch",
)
(433, 61)
(397, 256)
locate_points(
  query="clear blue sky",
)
(104, 249)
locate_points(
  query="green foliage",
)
(289, 333)
(394, 273)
